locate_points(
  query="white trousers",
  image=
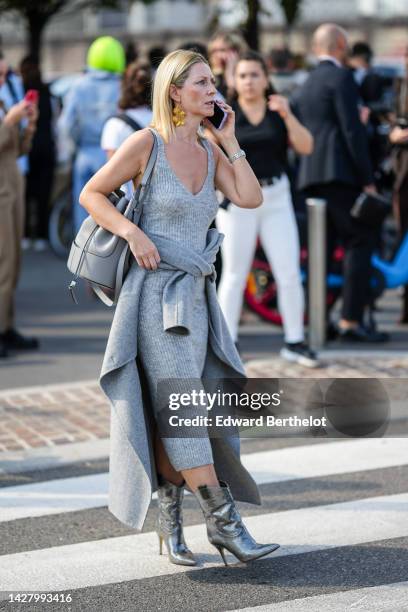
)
(275, 224)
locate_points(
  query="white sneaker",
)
(40, 245)
(26, 243)
(299, 352)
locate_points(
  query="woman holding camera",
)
(168, 325)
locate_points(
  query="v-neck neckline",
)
(193, 195)
(254, 125)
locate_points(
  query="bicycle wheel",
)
(60, 228)
(260, 292)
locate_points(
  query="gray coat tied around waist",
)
(133, 477)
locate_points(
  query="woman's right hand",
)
(17, 112)
(144, 250)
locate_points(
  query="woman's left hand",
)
(279, 104)
(228, 130)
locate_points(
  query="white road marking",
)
(83, 492)
(136, 557)
(387, 598)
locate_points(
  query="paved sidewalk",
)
(48, 416)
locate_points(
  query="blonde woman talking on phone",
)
(168, 324)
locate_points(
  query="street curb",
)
(323, 354)
(366, 354)
(44, 458)
(48, 388)
(47, 457)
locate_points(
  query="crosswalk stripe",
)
(280, 465)
(387, 597)
(135, 557)
(53, 497)
(345, 456)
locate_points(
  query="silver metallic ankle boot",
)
(225, 528)
(170, 523)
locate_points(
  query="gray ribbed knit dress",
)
(172, 211)
(168, 325)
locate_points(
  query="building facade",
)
(383, 23)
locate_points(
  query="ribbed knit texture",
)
(144, 347)
(171, 211)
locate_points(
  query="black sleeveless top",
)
(265, 144)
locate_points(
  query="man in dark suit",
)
(369, 83)
(371, 87)
(339, 169)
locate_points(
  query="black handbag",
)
(371, 209)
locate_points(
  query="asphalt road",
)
(337, 508)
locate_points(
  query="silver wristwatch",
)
(237, 155)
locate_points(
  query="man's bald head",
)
(330, 39)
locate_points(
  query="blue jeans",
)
(88, 161)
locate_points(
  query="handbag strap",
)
(147, 175)
(124, 257)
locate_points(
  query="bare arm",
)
(128, 162)
(300, 137)
(236, 180)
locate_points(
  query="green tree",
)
(291, 10)
(254, 8)
(250, 27)
(38, 13)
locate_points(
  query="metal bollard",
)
(316, 235)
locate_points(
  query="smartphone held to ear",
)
(219, 117)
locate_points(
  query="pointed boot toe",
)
(225, 528)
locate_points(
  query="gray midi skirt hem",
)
(185, 453)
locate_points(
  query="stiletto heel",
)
(169, 524)
(221, 551)
(225, 529)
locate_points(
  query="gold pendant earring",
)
(178, 115)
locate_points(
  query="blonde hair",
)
(173, 70)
